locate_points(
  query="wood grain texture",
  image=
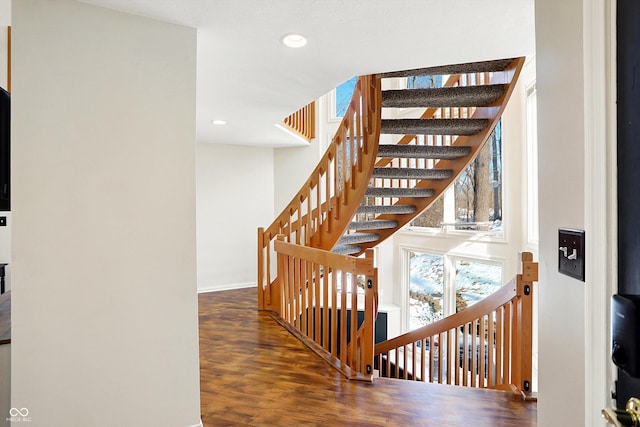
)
(5, 318)
(254, 373)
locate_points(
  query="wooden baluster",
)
(491, 348)
(343, 317)
(506, 346)
(423, 357)
(404, 362)
(482, 352)
(441, 361)
(334, 313)
(432, 350)
(317, 304)
(261, 286)
(452, 356)
(353, 287)
(474, 353)
(325, 306)
(465, 378)
(499, 345)
(414, 354)
(460, 356)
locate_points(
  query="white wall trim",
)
(227, 287)
(598, 178)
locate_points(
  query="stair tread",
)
(433, 126)
(399, 192)
(346, 249)
(374, 224)
(358, 237)
(462, 96)
(423, 151)
(470, 67)
(387, 209)
(412, 173)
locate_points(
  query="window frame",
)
(449, 278)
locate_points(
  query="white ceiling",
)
(248, 78)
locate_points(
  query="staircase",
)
(431, 151)
(380, 171)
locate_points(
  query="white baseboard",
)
(227, 287)
(197, 425)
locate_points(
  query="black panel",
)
(5, 160)
(628, 105)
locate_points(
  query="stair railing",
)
(321, 211)
(488, 345)
(328, 301)
(303, 122)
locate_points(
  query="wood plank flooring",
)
(254, 373)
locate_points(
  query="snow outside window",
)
(441, 285)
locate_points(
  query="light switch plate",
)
(571, 252)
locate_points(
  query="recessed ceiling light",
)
(294, 40)
(218, 122)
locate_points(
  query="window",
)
(344, 93)
(441, 285)
(474, 202)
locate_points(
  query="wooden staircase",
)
(361, 192)
(431, 151)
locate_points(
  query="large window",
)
(441, 285)
(474, 202)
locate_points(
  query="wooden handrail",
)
(318, 299)
(486, 345)
(303, 122)
(321, 211)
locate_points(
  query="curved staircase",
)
(432, 150)
(362, 191)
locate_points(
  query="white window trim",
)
(449, 273)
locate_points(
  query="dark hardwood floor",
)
(254, 373)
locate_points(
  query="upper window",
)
(344, 93)
(474, 202)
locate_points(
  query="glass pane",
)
(475, 281)
(478, 190)
(344, 92)
(426, 288)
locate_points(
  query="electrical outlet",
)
(571, 252)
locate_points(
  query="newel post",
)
(261, 268)
(370, 314)
(524, 344)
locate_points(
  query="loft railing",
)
(487, 345)
(303, 122)
(321, 211)
(319, 297)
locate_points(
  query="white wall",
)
(104, 293)
(561, 150)
(235, 196)
(291, 168)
